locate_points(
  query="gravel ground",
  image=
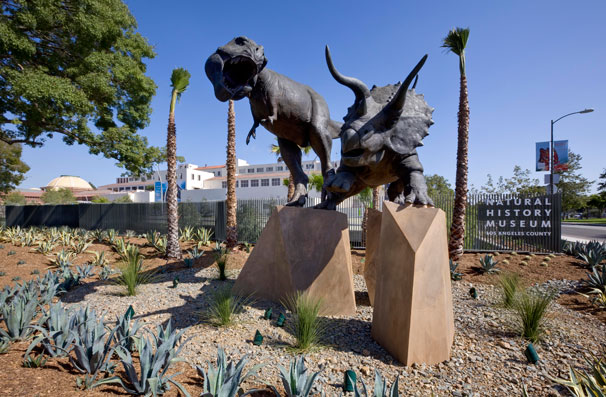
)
(487, 357)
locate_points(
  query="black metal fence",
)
(486, 227)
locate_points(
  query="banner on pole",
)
(560, 156)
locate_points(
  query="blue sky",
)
(527, 62)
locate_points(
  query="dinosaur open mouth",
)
(237, 71)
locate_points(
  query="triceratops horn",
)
(358, 87)
(395, 106)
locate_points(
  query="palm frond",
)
(456, 40)
(179, 80)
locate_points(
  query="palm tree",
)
(231, 202)
(275, 149)
(179, 82)
(455, 42)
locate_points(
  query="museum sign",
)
(518, 216)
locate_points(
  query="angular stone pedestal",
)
(413, 318)
(302, 249)
(373, 237)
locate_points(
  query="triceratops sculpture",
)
(294, 112)
(379, 138)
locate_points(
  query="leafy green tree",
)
(520, 183)
(14, 198)
(573, 186)
(12, 169)
(602, 182)
(99, 200)
(316, 181)
(437, 185)
(68, 66)
(455, 42)
(597, 201)
(60, 196)
(123, 199)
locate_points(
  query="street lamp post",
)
(551, 153)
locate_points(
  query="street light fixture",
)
(551, 153)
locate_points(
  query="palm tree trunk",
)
(376, 197)
(173, 250)
(291, 188)
(231, 202)
(457, 229)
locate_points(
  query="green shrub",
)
(133, 275)
(307, 327)
(531, 306)
(224, 306)
(510, 283)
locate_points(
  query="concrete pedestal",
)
(413, 318)
(373, 237)
(302, 249)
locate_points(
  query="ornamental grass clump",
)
(510, 283)
(307, 325)
(531, 307)
(132, 275)
(221, 260)
(224, 306)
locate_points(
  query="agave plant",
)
(70, 280)
(154, 362)
(45, 247)
(593, 257)
(186, 234)
(454, 275)
(119, 246)
(126, 330)
(99, 258)
(298, 381)
(203, 236)
(48, 287)
(152, 238)
(66, 238)
(57, 332)
(226, 378)
(79, 246)
(489, 265)
(17, 317)
(111, 235)
(62, 259)
(98, 235)
(85, 271)
(93, 350)
(380, 389)
(160, 245)
(29, 239)
(5, 345)
(105, 272)
(129, 233)
(195, 253)
(583, 384)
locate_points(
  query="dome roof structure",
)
(73, 183)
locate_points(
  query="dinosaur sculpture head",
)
(390, 118)
(234, 67)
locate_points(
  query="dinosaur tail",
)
(335, 128)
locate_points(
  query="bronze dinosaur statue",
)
(379, 138)
(294, 112)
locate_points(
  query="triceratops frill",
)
(379, 138)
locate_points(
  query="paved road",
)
(583, 233)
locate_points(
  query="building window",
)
(242, 170)
(141, 187)
(259, 169)
(224, 185)
(269, 169)
(193, 177)
(121, 189)
(254, 183)
(198, 177)
(279, 168)
(237, 183)
(244, 184)
(264, 182)
(251, 170)
(218, 173)
(275, 181)
(309, 166)
(180, 176)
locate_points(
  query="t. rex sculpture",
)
(294, 112)
(379, 138)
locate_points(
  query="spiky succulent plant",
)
(225, 379)
(380, 388)
(297, 381)
(488, 264)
